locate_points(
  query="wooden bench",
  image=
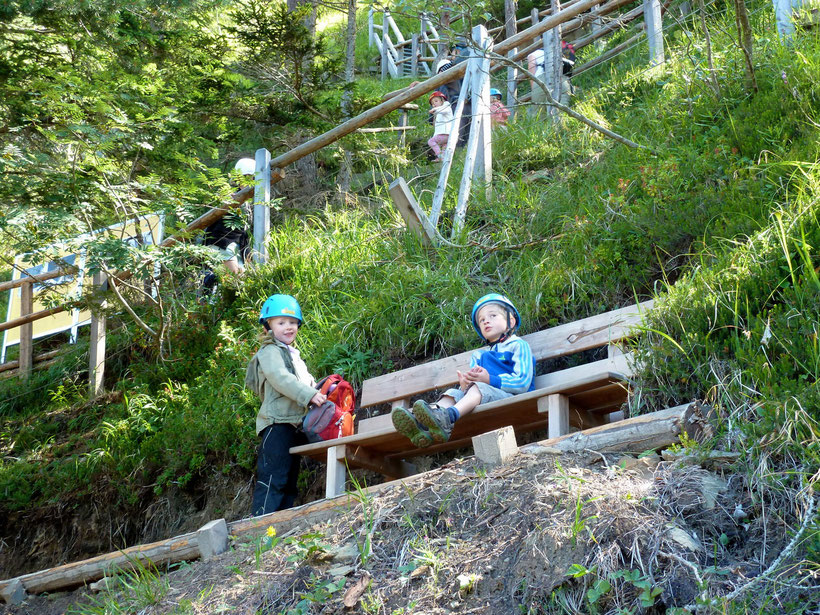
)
(581, 396)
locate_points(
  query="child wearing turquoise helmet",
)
(503, 369)
(499, 114)
(279, 376)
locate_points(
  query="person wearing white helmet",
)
(229, 234)
(503, 369)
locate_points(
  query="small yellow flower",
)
(271, 531)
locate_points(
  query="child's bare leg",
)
(467, 404)
(445, 401)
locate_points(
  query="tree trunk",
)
(310, 24)
(744, 33)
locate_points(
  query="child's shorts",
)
(488, 393)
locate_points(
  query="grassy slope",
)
(723, 219)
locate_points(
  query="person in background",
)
(498, 112)
(443, 123)
(229, 235)
(535, 64)
(279, 376)
(503, 369)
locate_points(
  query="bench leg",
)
(336, 472)
(557, 408)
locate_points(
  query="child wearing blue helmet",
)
(280, 377)
(503, 369)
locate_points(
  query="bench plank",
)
(559, 341)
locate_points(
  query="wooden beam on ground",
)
(176, 549)
(639, 434)
(416, 220)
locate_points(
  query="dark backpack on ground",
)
(334, 418)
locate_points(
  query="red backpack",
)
(334, 418)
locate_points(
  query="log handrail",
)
(203, 221)
(410, 94)
(38, 278)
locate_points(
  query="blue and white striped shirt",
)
(509, 363)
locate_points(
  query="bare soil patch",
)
(532, 536)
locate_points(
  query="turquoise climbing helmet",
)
(280, 305)
(495, 92)
(502, 301)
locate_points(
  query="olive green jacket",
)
(271, 374)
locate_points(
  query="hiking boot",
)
(436, 419)
(407, 425)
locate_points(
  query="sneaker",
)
(436, 419)
(407, 425)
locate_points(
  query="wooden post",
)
(414, 217)
(485, 168)
(414, 55)
(384, 47)
(261, 206)
(370, 29)
(479, 82)
(549, 57)
(403, 123)
(557, 63)
(558, 411)
(654, 30)
(447, 158)
(336, 472)
(96, 351)
(26, 330)
(511, 26)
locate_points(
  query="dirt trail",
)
(540, 534)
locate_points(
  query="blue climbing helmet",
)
(495, 92)
(506, 304)
(280, 305)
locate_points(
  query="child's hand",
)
(318, 399)
(463, 383)
(478, 374)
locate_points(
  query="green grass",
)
(722, 226)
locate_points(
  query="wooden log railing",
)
(26, 360)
